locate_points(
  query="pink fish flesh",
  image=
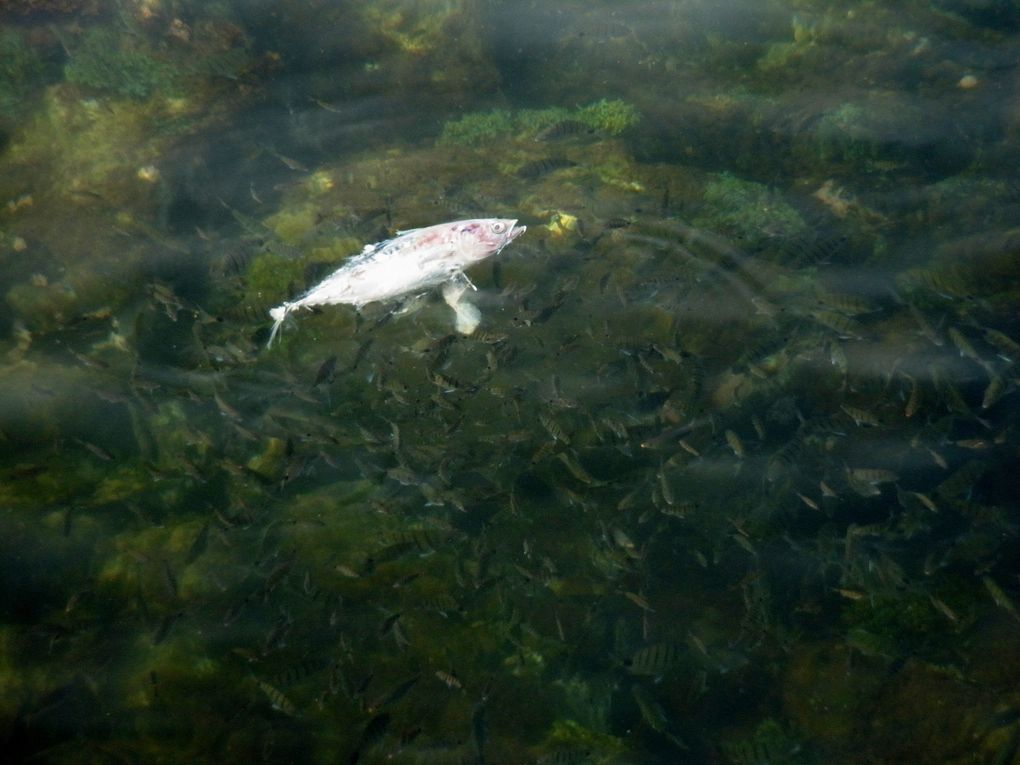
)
(411, 262)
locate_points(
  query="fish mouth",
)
(513, 232)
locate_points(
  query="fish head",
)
(483, 237)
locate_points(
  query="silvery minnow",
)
(412, 262)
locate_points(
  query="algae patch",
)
(606, 116)
(109, 62)
(747, 210)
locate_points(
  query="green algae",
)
(477, 128)
(843, 134)
(894, 620)
(746, 210)
(271, 275)
(415, 30)
(607, 116)
(43, 307)
(124, 66)
(293, 224)
(572, 735)
(21, 72)
(89, 148)
(534, 121)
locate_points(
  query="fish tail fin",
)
(279, 314)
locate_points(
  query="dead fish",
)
(412, 262)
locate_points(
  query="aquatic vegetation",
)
(43, 307)
(781, 55)
(748, 211)
(416, 30)
(842, 134)
(293, 224)
(562, 224)
(535, 121)
(570, 735)
(21, 71)
(894, 621)
(477, 128)
(122, 65)
(607, 117)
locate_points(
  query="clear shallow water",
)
(723, 476)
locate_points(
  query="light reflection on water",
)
(721, 476)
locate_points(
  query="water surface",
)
(723, 476)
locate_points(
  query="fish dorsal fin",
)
(408, 231)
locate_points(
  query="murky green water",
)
(724, 476)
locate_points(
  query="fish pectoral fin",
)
(459, 280)
(468, 317)
(453, 291)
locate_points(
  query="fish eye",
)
(498, 227)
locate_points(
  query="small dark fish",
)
(297, 671)
(654, 715)
(292, 164)
(169, 579)
(396, 693)
(277, 699)
(656, 660)
(87, 360)
(325, 373)
(423, 541)
(617, 223)
(389, 623)
(374, 730)
(449, 679)
(226, 409)
(564, 129)
(199, 545)
(277, 636)
(165, 625)
(98, 451)
(479, 732)
(540, 167)
(276, 575)
(360, 355)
